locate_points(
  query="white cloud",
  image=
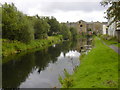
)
(59, 9)
(79, 15)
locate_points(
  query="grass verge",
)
(98, 69)
(12, 47)
(110, 40)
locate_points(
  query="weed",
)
(67, 81)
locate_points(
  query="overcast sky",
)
(63, 10)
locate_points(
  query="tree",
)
(9, 21)
(16, 25)
(73, 33)
(41, 28)
(114, 9)
(65, 31)
(26, 30)
(54, 26)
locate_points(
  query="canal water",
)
(42, 68)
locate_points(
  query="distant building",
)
(86, 27)
(105, 31)
(98, 27)
(71, 24)
(81, 26)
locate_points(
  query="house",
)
(82, 27)
(98, 27)
(105, 31)
(86, 27)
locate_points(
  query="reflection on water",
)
(49, 76)
(41, 69)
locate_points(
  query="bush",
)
(107, 37)
(67, 82)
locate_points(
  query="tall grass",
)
(11, 47)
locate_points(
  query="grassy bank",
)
(12, 47)
(110, 40)
(98, 69)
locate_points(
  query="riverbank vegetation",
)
(98, 69)
(10, 47)
(22, 32)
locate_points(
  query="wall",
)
(104, 29)
(83, 27)
(98, 27)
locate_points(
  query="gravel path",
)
(116, 49)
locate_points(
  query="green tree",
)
(65, 31)
(9, 21)
(41, 28)
(73, 33)
(16, 25)
(54, 26)
(26, 30)
(113, 11)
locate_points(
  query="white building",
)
(105, 28)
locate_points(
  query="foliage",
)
(15, 25)
(26, 31)
(9, 21)
(73, 33)
(41, 28)
(113, 10)
(18, 26)
(110, 40)
(67, 81)
(65, 31)
(12, 46)
(54, 26)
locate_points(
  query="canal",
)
(42, 68)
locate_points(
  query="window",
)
(79, 21)
(81, 25)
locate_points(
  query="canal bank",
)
(110, 40)
(98, 69)
(14, 47)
